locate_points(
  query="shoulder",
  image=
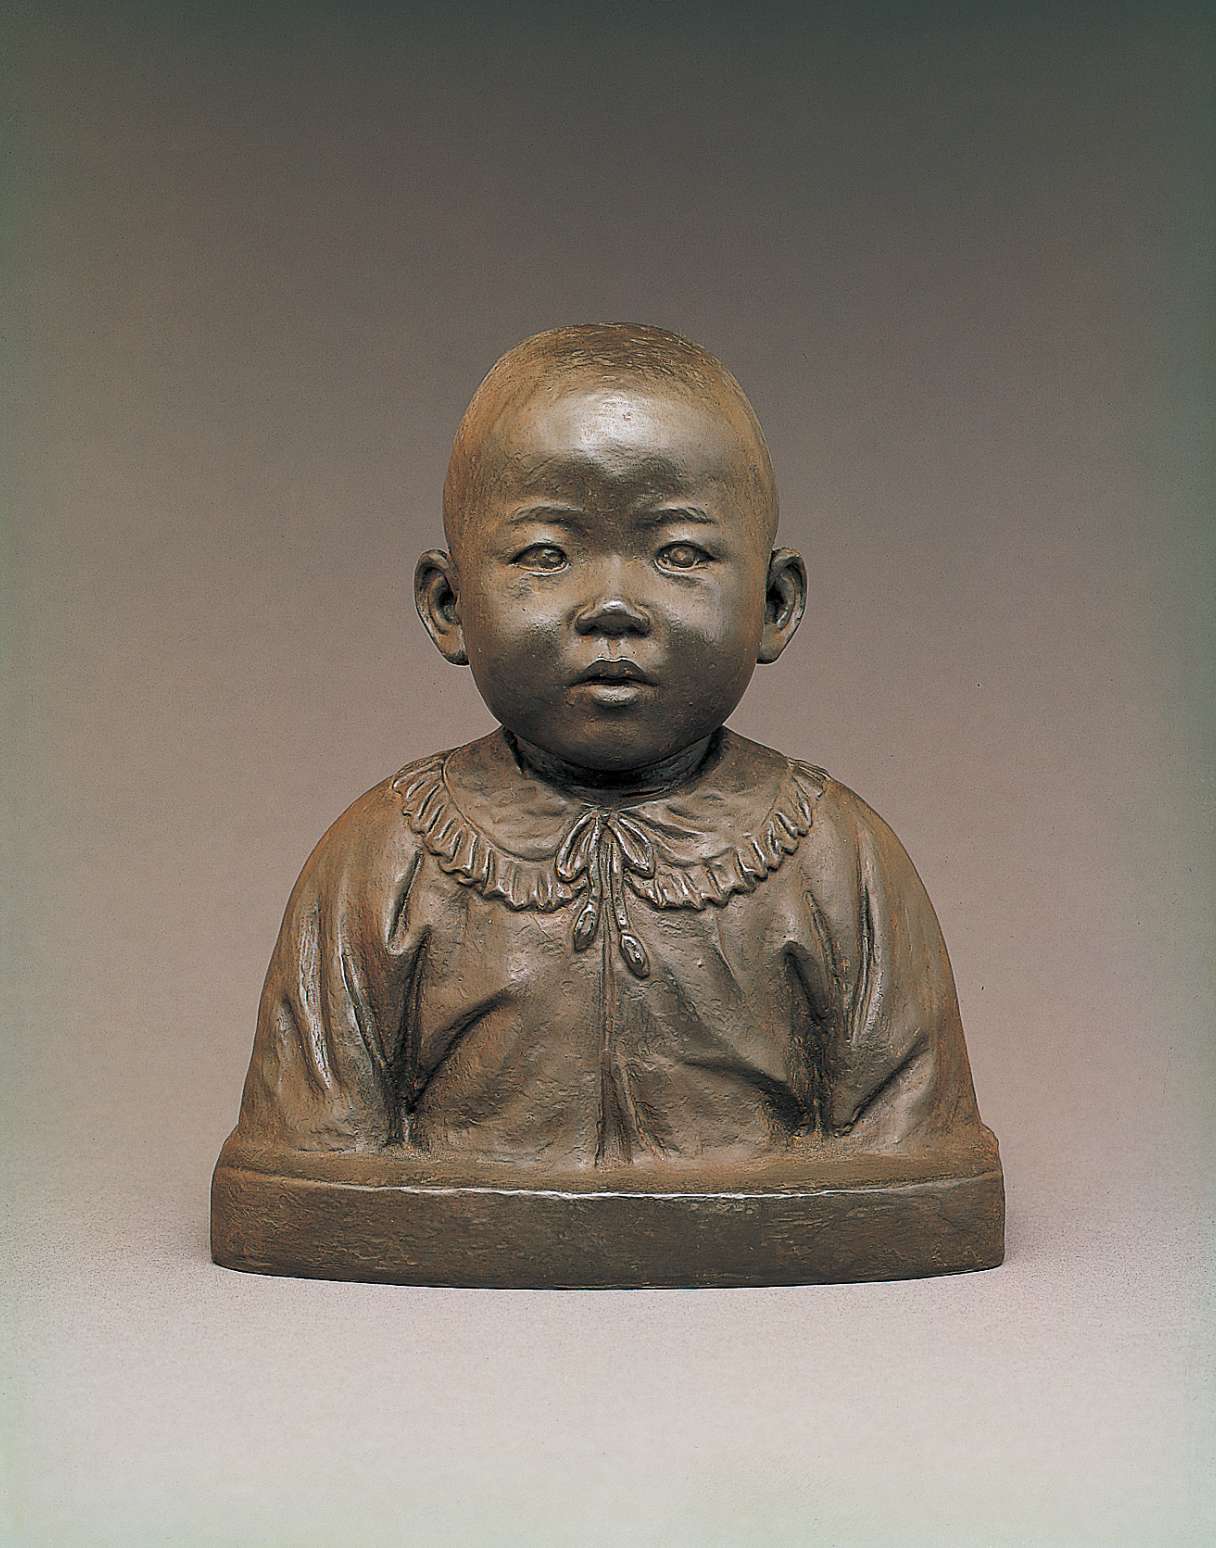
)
(842, 825)
(852, 847)
(846, 812)
(372, 840)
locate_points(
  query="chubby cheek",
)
(710, 683)
(714, 639)
(513, 639)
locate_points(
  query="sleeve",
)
(332, 1034)
(892, 1062)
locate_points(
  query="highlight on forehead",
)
(613, 351)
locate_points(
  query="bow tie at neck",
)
(603, 845)
(605, 842)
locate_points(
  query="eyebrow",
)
(670, 513)
(569, 516)
(553, 515)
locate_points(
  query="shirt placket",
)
(602, 846)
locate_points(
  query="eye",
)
(682, 556)
(544, 557)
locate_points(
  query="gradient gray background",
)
(959, 257)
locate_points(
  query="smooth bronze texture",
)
(612, 996)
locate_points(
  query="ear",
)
(436, 597)
(784, 602)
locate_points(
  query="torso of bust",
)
(480, 963)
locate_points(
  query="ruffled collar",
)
(494, 824)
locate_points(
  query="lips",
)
(614, 672)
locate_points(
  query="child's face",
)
(612, 589)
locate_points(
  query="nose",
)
(612, 614)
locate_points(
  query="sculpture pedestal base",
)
(630, 1232)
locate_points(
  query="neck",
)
(606, 785)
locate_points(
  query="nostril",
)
(612, 615)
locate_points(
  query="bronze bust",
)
(612, 996)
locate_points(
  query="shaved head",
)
(610, 499)
(620, 356)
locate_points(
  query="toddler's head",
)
(610, 510)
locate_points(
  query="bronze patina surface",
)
(612, 996)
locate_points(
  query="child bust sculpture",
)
(612, 996)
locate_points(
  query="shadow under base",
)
(399, 1221)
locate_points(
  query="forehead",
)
(584, 440)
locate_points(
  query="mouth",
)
(606, 671)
